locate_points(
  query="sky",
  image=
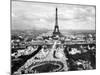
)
(34, 15)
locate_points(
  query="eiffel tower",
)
(56, 31)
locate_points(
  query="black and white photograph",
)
(52, 37)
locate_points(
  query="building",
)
(56, 33)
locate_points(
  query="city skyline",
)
(51, 37)
(29, 15)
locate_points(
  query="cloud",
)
(28, 15)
